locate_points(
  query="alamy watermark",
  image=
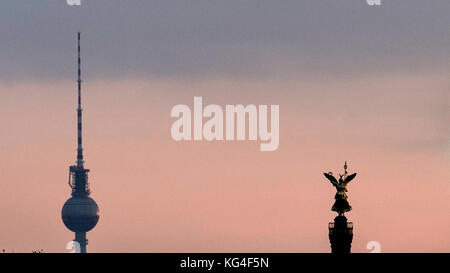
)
(374, 247)
(73, 2)
(216, 128)
(78, 2)
(373, 2)
(74, 246)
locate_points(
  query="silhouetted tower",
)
(341, 235)
(80, 213)
(340, 231)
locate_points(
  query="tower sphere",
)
(80, 214)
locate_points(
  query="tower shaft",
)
(80, 238)
(341, 235)
(79, 111)
(78, 174)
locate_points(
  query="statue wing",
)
(349, 178)
(331, 178)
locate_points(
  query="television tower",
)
(80, 213)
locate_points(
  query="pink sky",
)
(158, 195)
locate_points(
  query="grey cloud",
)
(216, 37)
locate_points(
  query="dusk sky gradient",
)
(369, 85)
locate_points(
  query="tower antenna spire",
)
(80, 160)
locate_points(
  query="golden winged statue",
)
(341, 204)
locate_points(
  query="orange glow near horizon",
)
(158, 195)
